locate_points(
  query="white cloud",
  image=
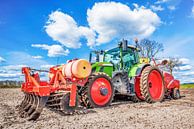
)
(37, 57)
(46, 66)
(90, 34)
(185, 67)
(10, 72)
(10, 75)
(111, 20)
(171, 7)
(161, 1)
(135, 5)
(53, 50)
(14, 63)
(13, 67)
(157, 8)
(192, 12)
(188, 73)
(170, 4)
(63, 28)
(184, 60)
(2, 59)
(106, 20)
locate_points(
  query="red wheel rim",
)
(155, 85)
(96, 95)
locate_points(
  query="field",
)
(171, 114)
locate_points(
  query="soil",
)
(170, 114)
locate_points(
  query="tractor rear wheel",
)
(98, 92)
(176, 93)
(152, 85)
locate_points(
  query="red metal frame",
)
(57, 82)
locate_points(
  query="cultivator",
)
(94, 84)
(59, 94)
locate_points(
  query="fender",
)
(140, 69)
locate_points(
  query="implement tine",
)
(41, 102)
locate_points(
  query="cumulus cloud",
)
(2, 59)
(53, 50)
(106, 21)
(157, 8)
(64, 29)
(116, 20)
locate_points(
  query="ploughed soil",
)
(170, 114)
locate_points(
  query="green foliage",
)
(187, 86)
(6, 86)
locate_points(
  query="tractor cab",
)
(123, 57)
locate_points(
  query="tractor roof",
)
(117, 48)
(131, 46)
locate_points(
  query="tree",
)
(149, 48)
(173, 63)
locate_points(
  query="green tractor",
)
(121, 71)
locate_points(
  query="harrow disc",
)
(32, 106)
(60, 102)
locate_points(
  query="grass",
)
(4, 86)
(187, 86)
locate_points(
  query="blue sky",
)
(44, 33)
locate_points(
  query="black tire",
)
(144, 86)
(124, 80)
(65, 104)
(86, 92)
(135, 99)
(176, 93)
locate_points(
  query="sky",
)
(44, 33)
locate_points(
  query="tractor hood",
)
(105, 67)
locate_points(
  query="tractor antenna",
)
(136, 42)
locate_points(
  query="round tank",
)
(78, 68)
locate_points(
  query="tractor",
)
(118, 71)
(121, 71)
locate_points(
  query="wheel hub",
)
(103, 91)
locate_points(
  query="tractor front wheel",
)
(98, 92)
(152, 85)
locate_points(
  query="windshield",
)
(130, 57)
(112, 56)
